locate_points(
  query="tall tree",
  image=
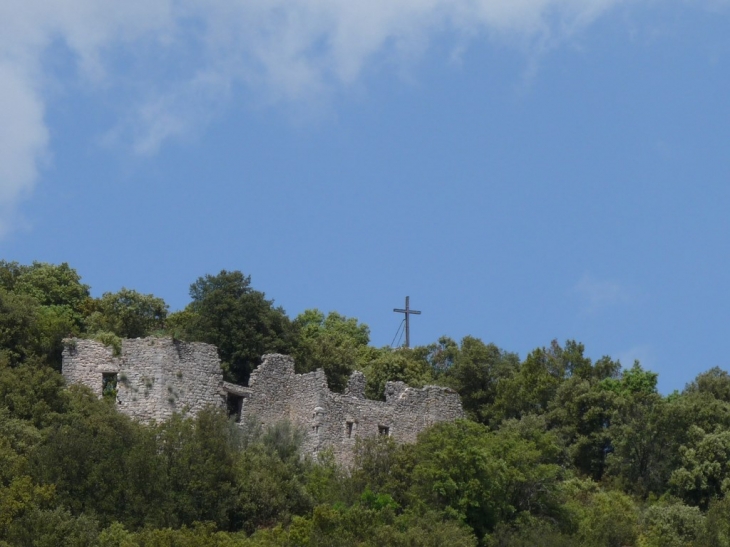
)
(52, 285)
(54, 295)
(533, 386)
(581, 413)
(18, 327)
(476, 371)
(715, 382)
(227, 312)
(385, 365)
(333, 343)
(127, 314)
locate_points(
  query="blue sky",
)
(524, 170)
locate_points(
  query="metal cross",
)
(408, 312)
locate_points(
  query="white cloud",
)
(166, 115)
(27, 29)
(182, 57)
(598, 294)
(23, 140)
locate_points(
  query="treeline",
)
(557, 450)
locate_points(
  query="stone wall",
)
(158, 376)
(155, 376)
(333, 420)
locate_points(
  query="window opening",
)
(234, 403)
(383, 430)
(348, 429)
(109, 385)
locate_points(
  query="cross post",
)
(408, 312)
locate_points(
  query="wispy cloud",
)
(28, 28)
(23, 140)
(182, 57)
(598, 294)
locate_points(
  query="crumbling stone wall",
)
(159, 376)
(155, 376)
(333, 420)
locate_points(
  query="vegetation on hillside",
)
(557, 449)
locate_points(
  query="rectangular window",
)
(109, 385)
(348, 429)
(234, 403)
(383, 430)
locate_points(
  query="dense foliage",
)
(556, 450)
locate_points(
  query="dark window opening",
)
(234, 404)
(349, 429)
(109, 385)
(383, 430)
(315, 428)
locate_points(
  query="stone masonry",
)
(156, 377)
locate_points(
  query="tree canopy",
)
(557, 449)
(227, 312)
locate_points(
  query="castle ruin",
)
(153, 378)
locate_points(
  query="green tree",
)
(602, 518)
(128, 314)
(716, 531)
(442, 355)
(635, 380)
(641, 459)
(671, 525)
(227, 312)
(334, 343)
(199, 458)
(715, 382)
(18, 327)
(54, 528)
(704, 474)
(312, 323)
(533, 386)
(33, 392)
(19, 494)
(476, 371)
(485, 478)
(529, 532)
(271, 477)
(100, 462)
(385, 365)
(380, 466)
(53, 296)
(581, 414)
(582, 410)
(52, 285)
